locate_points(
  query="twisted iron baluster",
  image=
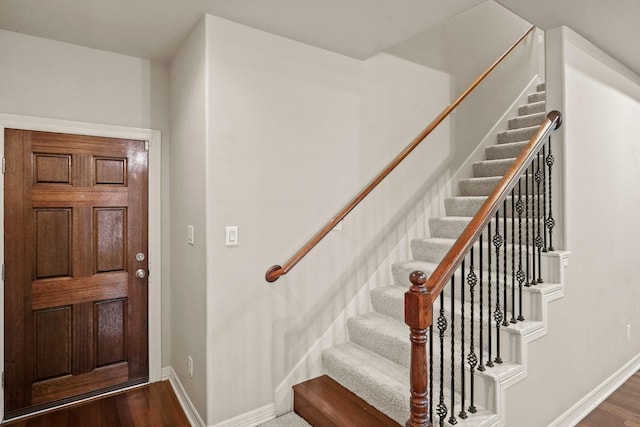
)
(442, 327)
(481, 365)
(489, 330)
(497, 314)
(538, 240)
(462, 414)
(544, 199)
(520, 274)
(472, 359)
(550, 223)
(505, 286)
(452, 419)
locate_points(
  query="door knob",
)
(140, 273)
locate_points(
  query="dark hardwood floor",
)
(621, 409)
(152, 405)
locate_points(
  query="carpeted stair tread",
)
(527, 120)
(381, 334)
(537, 96)
(541, 86)
(324, 402)
(505, 151)
(534, 107)
(516, 135)
(496, 167)
(374, 378)
(482, 186)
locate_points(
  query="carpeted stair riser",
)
(434, 249)
(467, 206)
(376, 379)
(537, 97)
(517, 135)
(382, 334)
(483, 186)
(452, 227)
(527, 120)
(535, 107)
(504, 151)
(492, 167)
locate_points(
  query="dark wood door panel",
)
(75, 313)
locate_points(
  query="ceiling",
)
(154, 29)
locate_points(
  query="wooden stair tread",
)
(323, 402)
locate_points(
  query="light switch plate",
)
(232, 235)
(190, 233)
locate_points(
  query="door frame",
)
(154, 220)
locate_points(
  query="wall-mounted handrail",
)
(274, 272)
(423, 293)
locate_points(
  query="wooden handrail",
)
(424, 291)
(274, 272)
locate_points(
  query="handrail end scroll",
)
(555, 115)
(274, 273)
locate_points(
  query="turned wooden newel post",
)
(417, 314)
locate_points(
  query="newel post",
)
(417, 315)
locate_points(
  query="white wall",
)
(587, 344)
(188, 194)
(292, 133)
(49, 79)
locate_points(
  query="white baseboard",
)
(594, 398)
(187, 406)
(251, 419)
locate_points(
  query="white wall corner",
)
(187, 406)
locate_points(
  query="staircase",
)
(374, 364)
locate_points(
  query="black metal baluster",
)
(431, 369)
(533, 226)
(550, 223)
(481, 367)
(520, 274)
(442, 327)
(505, 285)
(472, 359)
(497, 314)
(513, 257)
(538, 241)
(489, 330)
(452, 419)
(462, 414)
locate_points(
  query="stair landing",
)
(323, 402)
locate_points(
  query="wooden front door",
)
(75, 235)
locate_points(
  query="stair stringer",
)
(310, 364)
